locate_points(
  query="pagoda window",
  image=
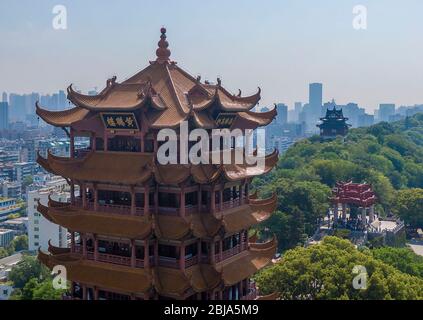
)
(99, 144)
(124, 143)
(191, 250)
(90, 244)
(114, 248)
(191, 198)
(227, 194)
(139, 252)
(139, 200)
(205, 196)
(106, 197)
(169, 200)
(149, 145)
(168, 251)
(205, 247)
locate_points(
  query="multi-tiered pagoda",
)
(333, 124)
(141, 230)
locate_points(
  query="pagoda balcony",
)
(169, 262)
(81, 153)
(230, 252)
(233, 203)
(109, 208)
(191, 261)
(112, 258)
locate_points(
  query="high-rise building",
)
(4, 97)
(4, 116)
(298, 108)
(282, 113)
(142, 230)
(17, 111)
(366, 120)
(316, 97)
(40, 229)
(385, 111)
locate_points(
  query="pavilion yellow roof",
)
(137, 168)
(167, 94)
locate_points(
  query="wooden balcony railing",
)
(81, 153)
(169, 262)
(191, 261)
(109, 208)
(103, 257)
(230, 204)
(229, 253)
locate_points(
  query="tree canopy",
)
(325, 271)
(389, 156)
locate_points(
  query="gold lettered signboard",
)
(225, 119)
(119, 121)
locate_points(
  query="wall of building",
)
(40, 230)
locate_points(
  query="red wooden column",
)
(212, 252)
(146, 254)
(247, 193)
(156, 253)
(84, 195)
(199, 250)
(95, 247)
(146, 199)
(199, 194)
(105, 140)
(182, 202)
(344, 211)
(84, 292)
(72, 143)
(213, 200)
(156, 199)
(155, 142)
(241, 196)
(95, 293)
(221, 249)
(72, 191)
(133, 254)
(221, 198)
(93, 141)
(95, 198)
(84, 244)
(72, 241)
(133, 201)
(182, 256)
(143, 142)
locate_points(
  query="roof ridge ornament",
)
(162, 52)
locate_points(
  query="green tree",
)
(325, 271)
(409, 206)
(29, 267)
(403, 259)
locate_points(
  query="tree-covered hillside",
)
(387, 155)
(326, 271)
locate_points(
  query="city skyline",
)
(281, 50)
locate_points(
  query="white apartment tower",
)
(40, 230)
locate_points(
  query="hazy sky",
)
(279, 45)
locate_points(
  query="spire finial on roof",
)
(162, 52)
